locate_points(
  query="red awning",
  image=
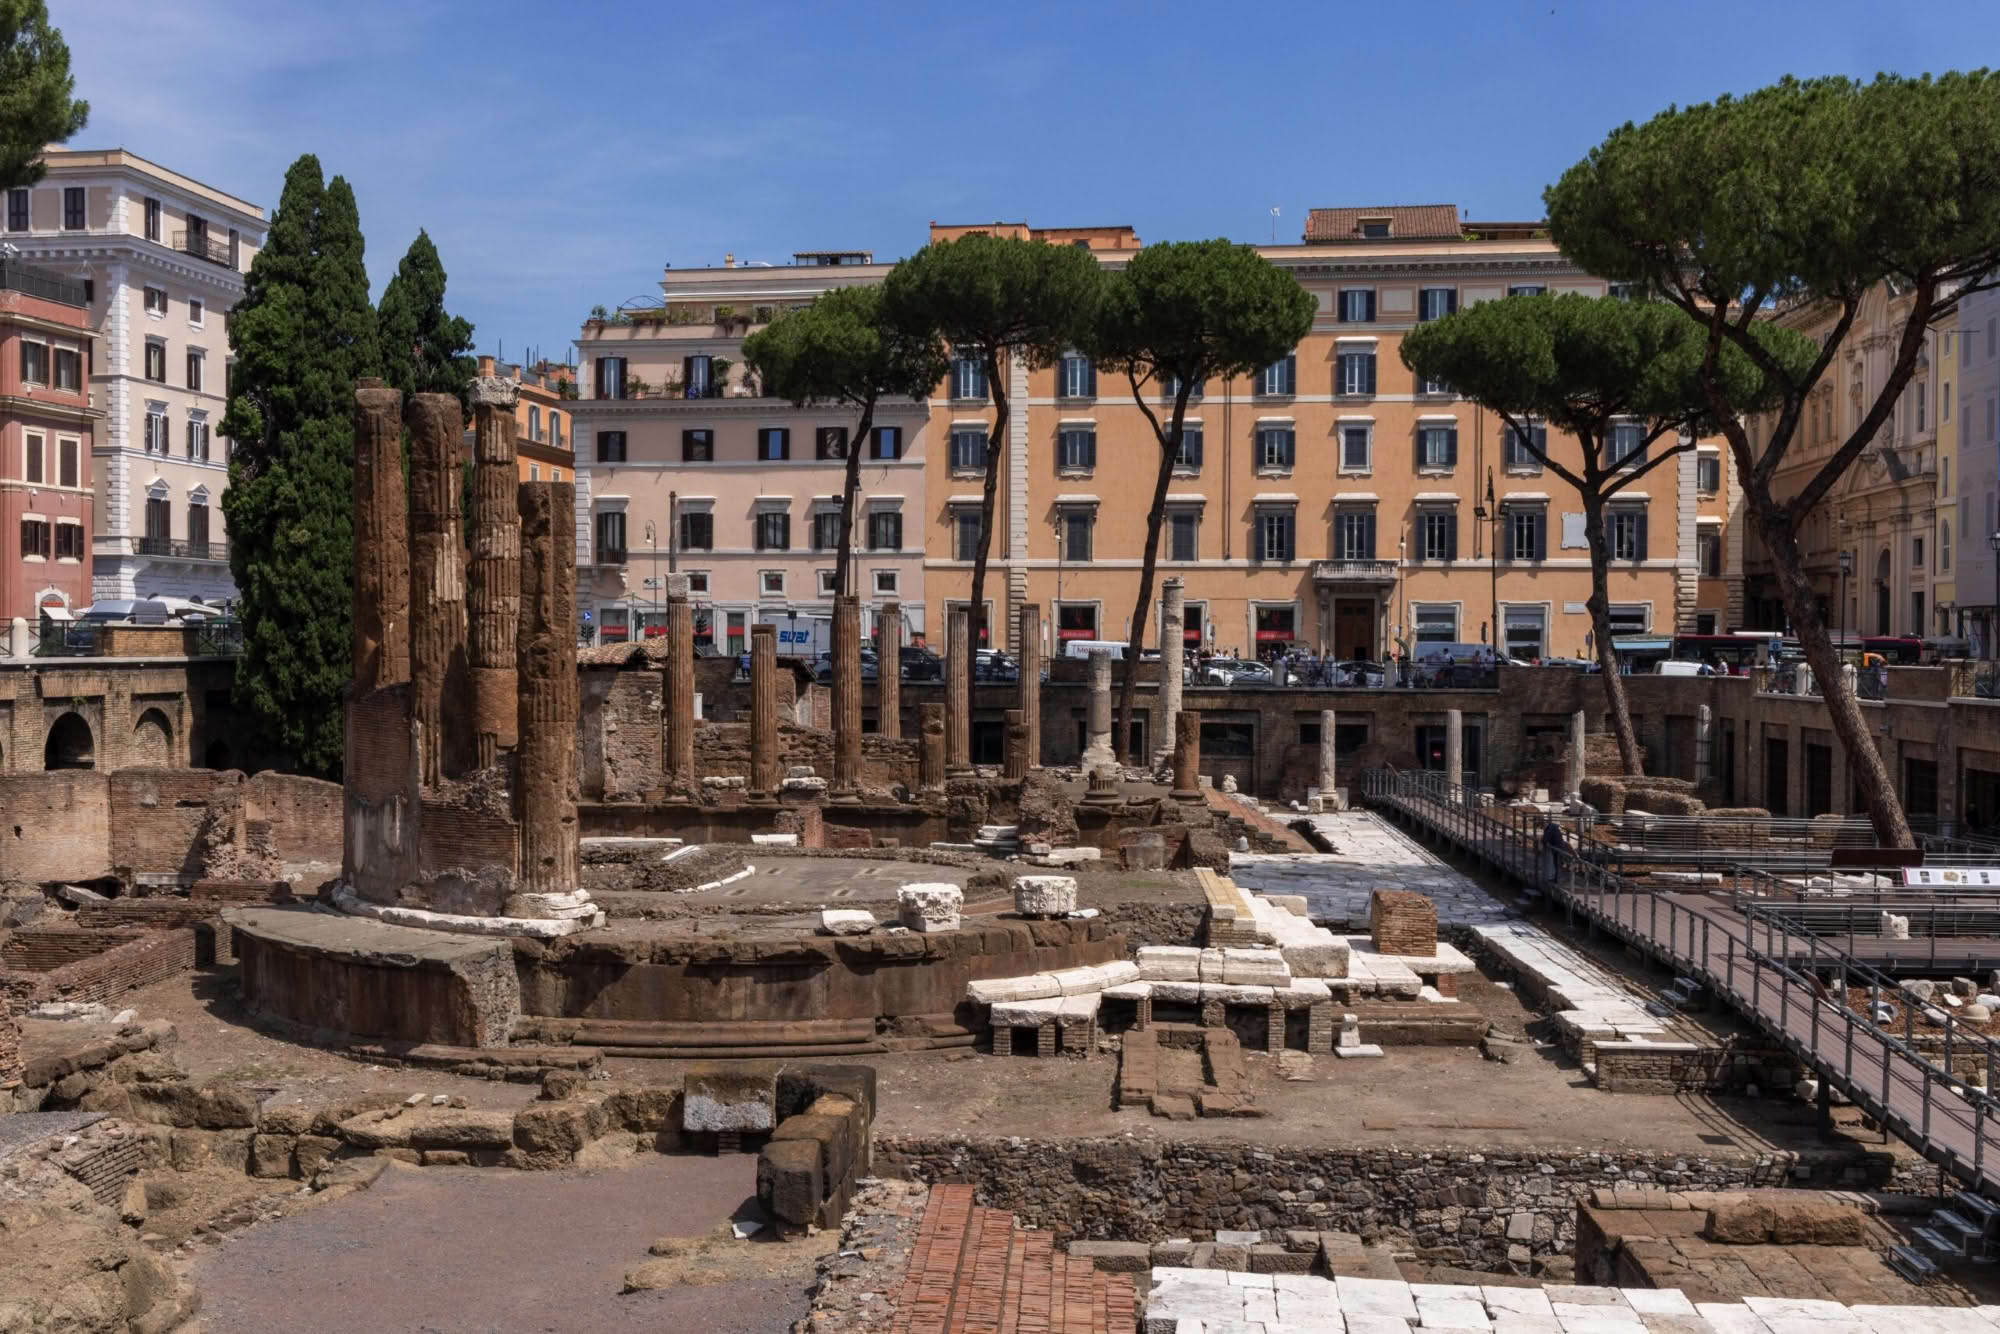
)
(1265, 636)
(1076, 634)
(1191, 636)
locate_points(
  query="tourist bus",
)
(1734, 653)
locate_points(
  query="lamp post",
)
(1840, 612)
(1993, 617)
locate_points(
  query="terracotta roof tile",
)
(1407, 222)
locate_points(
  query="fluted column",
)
(1573, 768)
(680, 685)
(1173, 619)
(1187, 756)
(1029, 646)
(930, 753)
(493, 582)
(847, 700)
(1016, 754)
(381, 608)
(1454, 750)
(889, 670)
(1097, 748)
(1328, 767)
(958, 695)
(438, 683)
(763, 712)
(545, 670)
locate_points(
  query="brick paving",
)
(974, 1271)
(1370, 854)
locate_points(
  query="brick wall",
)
(45, 949)
(380, 757)
(1402, 921)
(303, 813)
(456, 837)
(54, 826)
(158, 817)
(10, 1043)
(621, 734)
(724, 749)
(127, 960)
(1685, 1067)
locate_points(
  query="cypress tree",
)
(302, 334)
(425, 350)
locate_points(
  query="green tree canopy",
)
(36, 105)
(995, 297)
(1806, 191)
(1581, 365)
(302, 334)
(1177, 314)
(425, 350)
(841, 349)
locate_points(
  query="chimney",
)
(729, 260)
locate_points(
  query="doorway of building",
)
(1353, 629)
(1777, 775)
(1920, 790)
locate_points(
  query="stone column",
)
(1017, 745)
(381, 541)
(889, 670)
(1097, 751)
(493, 580)
(679, 686)
(545, 668)
(930, 753)
(847, 700)
(1573, 762)
(1172, 621)
(1187, 756)
(1704, 745)
(958, 695)
(438, 685)
(763, 712)
(1029, 654)
(1454, 749)
(1329, 778)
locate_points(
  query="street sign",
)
(650, 582)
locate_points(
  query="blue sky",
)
(559, 155)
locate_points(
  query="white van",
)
(1676, 667)
(1083, 648)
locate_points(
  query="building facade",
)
(47, 425)
(1884, 513)
(1973, 390)
(683, 468)
(542, 409)
(162, 258)
(1331, 503)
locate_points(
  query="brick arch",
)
(70, 744)
(153, 740)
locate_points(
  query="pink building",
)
(47, 426)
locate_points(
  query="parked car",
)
(920, 664)
(995, 666)
(1370, 675)
(1236, 672)
(823, 669)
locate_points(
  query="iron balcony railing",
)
(1354, 571)
(43, 283)
(202, 245)
(180, 548)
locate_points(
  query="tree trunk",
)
(843, 565)
(1155, 516)
(1600, 626)
(976, 608)
(1878, 789)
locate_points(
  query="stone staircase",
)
(974, 1271)
(1961, 1230)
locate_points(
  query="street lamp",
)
(1993, 619)
(1840, 612)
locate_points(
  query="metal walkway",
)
(1764, 965)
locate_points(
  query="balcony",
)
(203, 246)
(609, 555)
(41, 283)
(1371, 572)
(174, 548)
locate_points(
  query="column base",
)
(844, 797)
(1192, 798)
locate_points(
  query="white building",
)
(163, 257)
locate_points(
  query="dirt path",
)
(453, 1251)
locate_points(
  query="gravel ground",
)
(458, 1250)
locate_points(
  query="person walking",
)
(1554, 846)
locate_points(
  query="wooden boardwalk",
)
(1766, 971)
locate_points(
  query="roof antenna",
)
(1274, 224)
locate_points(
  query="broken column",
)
(847, 699)
(1454, 750)
(545, 669)
(1030, 654)
(680, 686)
(438, 687)
(1329, 773)
(889, 670)
(1097, 753)
(1704, 745)
(381, 541)
(1187, 756)
(930, 752)
(1016, 756)
(958, 695)
(763, 712)
(493, 579)
(1172, 618)
(1573, 759)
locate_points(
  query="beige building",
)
(682, 468)
(162, 257)
(1330, 503)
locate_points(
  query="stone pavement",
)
(1370, 854)
(1214, 1301)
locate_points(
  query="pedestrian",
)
(1554, 845)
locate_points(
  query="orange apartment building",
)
(47, 427)
(543, 434)
(1331, 503)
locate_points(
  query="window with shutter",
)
(611, 446)
(1274, 448)
(1183, 530)
(1437, 447)
(886, 442)
(826, 530)
(1279, 379)
(968, 450)
(1354, 533)
(698, 445)
(830, 442)
(1188, 459)
(697, 531)
(1076, 449)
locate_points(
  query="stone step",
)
(1940, 1242)
(1976, 1207)
(1912, 1264)
(1951, 1224)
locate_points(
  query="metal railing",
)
(202, 245)
(29, 280)
(180, 548)
(1354, 571)
(1763, 964)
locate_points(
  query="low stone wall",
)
(1450, 1205)
(1687, 1067)
(821, 1147)
(70, 963)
